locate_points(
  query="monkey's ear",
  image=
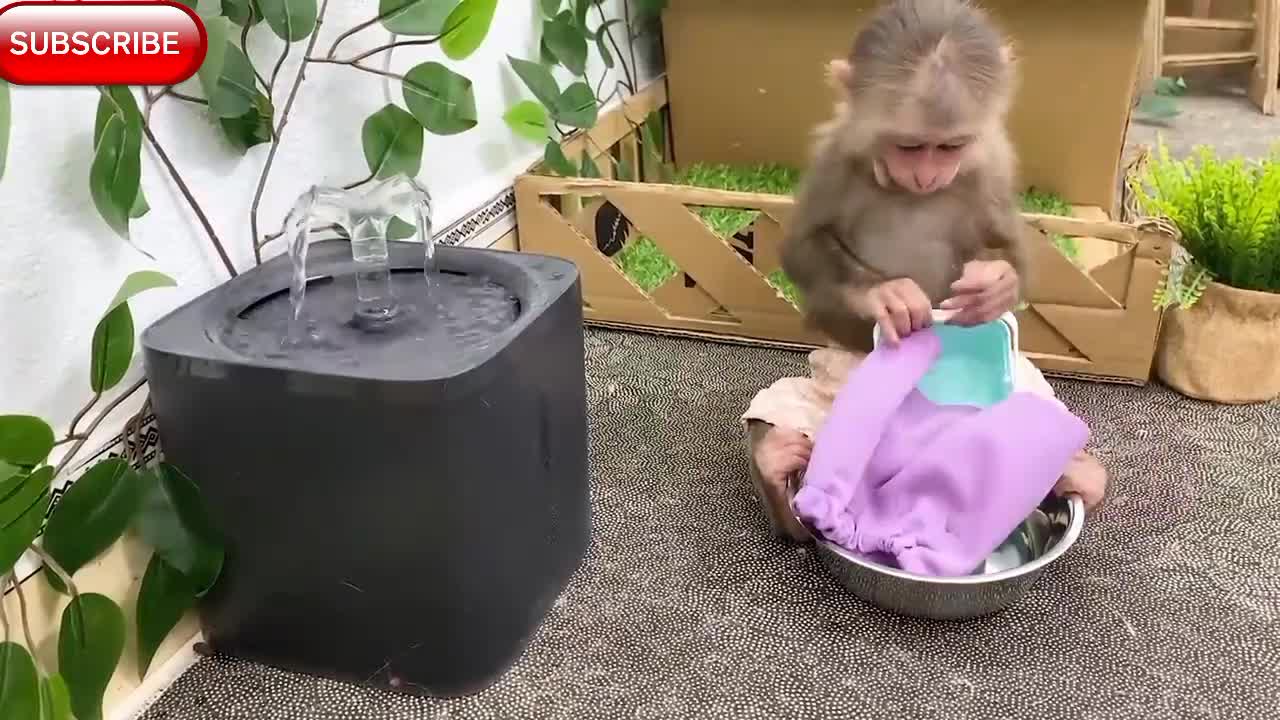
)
(1007, 54)
(840, 75)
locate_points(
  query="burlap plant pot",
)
(1225, 349)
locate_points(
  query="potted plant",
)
(1221, 335)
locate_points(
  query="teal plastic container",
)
(976, 366)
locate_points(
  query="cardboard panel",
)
(1096, 320)
(745, 82)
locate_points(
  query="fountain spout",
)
(368, 218)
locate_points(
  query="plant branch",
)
(353, 63)
(66, 459)
(186, 98)
(191, 200)
(244, 47)
(26, 622)
(631, 43)
(333, 49)
(617, 52)
(358, 183)
(279, 131)
(275, 72)
(57, 569)
(391, 45)
(71, 431)
(272, 237)
(4, 618)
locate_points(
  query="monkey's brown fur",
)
(933, 69)
(920, 68)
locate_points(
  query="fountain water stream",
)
(365, 218)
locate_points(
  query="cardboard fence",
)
(1090, 315)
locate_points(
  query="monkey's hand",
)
(898, 306)
(986, 290)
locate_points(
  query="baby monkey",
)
(909, 201)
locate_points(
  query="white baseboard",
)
(156, 682)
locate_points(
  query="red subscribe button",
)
(100, 43)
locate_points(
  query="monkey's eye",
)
(911, 148)
(951, 147)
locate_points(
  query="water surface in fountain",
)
(443, 318)
(367, 315)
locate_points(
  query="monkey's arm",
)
(830, 283)
(1008, 237)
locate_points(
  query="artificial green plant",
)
(240, 95)
(1228, 215)
(113, 496)
(569, 35)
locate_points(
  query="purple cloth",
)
(931, 489)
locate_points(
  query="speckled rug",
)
(1168, 607)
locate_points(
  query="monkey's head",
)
(928, 82)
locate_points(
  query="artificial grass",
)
(649, 267)
(1038, 201)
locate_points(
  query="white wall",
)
(61, 263)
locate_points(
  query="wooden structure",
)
(1217, 33)
(1093, 318)
(745, 79)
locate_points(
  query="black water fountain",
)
(392, 437)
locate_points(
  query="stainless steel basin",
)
(1002, 580)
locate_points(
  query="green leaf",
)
(90, 643)
(164, 596)
(441, 99)
(137, 283)
(22, 496)
(589, 167)
(602, 42)
(392, 140)
(6, 112)
(17, 536)
(113, 337)
(55, 699)
(538, 79)
(549, 7)
(576, 107)
(119, 100)
(25, 440)
(415, 17)
(236, 90)
(112, 349)
(173, 520)
(140, 206)
(626, 171)
(554, 158)
(21, 492)
(468, 25)
(115, 174)
(91, 516)
(241, 12)
(545, 56)
(567, 42)
(527, 119)
(580, 8)
(654, 133)
(252, 128)
(399, 229)
(290, 20)
(218, 32)
(19, 683)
